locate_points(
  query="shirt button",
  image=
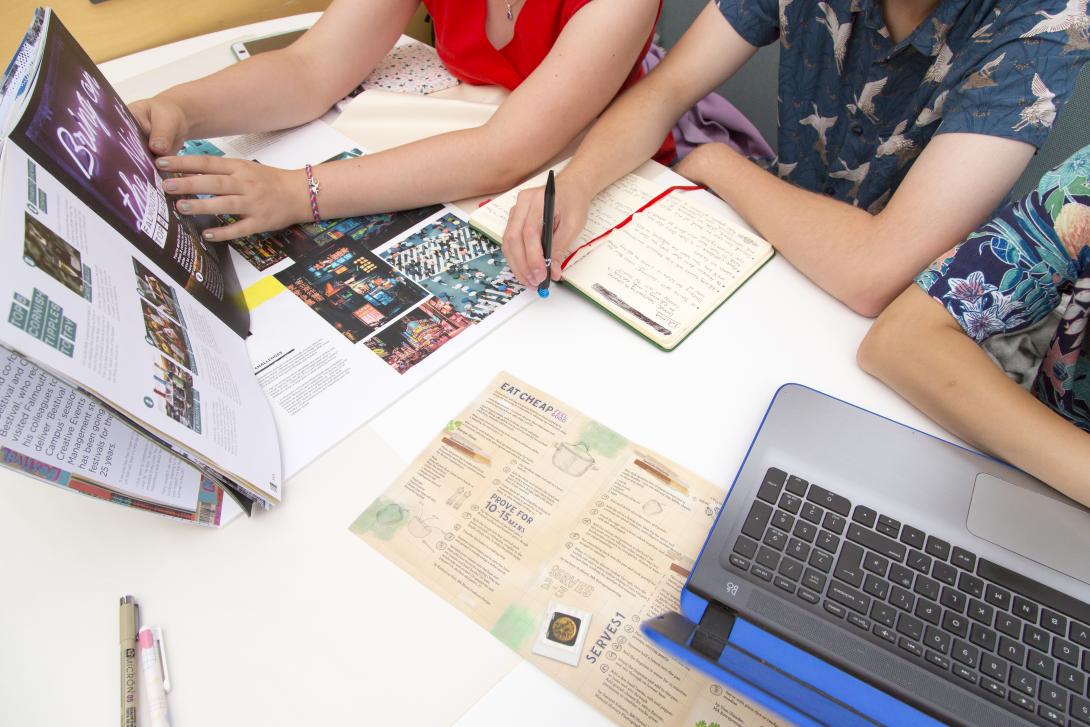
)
(857, 129)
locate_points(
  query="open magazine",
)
(144, 366)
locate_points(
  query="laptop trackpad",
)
(1039, 524)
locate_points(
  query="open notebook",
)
(663, 272)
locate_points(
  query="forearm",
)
(946, 375)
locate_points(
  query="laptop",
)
(861, 572)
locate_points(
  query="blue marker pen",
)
(547, 236)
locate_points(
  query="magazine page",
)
(51, 431)
(78, 129)
(93, 310)
(559, 536)
(348, 315)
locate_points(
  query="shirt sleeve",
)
(757, 21)
(1008, 275)
(1016, 86)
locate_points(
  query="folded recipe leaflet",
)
(239, 364)
(656, 261)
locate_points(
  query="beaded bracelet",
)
(313, 187)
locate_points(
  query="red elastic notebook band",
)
(626, 220)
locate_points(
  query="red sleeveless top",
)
(470, 56)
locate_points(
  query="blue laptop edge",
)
(770, 671)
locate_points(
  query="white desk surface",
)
(287, 618)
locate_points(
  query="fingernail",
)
(162, 163)
(158, 145)
(537, 275)
(169, 185)
(184, 206)
(208, 236)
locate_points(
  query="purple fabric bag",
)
(713, 119)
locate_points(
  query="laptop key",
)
(910, 646)
(739, 562)
(910, 626)
(983, 637)
(784, 584)
(1080, 709)
(1022, 701)
(884, 632)
(971, 585)
(937, 548)
(944, 572)
(962, 558)
(768, 558)
(775, 539)
(757, 520)
(1071, 678)
(837, 503)
(745, 547)
(790, 503)
(811, 512)
(888, 526)
(937, 659)
(806, 531)
(783, 520)
(1052, 715)
(1065, 651)
(913, 536)
(834, 522)
(1054, 622)
(858, 621)
(965, 653)
(827, 541)
(807, 595)
(883, 614)
(901, 598)
(864, 516)
(1023, 681)
(994, 667)
(980, 611)
(955, 624)
(1024, 609)
(834, 608)
(953, 600)
(937, 640)
(798, 549)
(769, 491)
(875, 563)
(1012, 650)
(1041, 665)
(875, 587)
(790, 569)
(1035, 637)
(998, 597)
(848, 596)
(1053, 696)
(1055, 601)
(927, 587)
(993, 686)
(964, 672)
(1008, 624)
(797, 485)
(929, 611)
(901, 575)
(821, 561)
(874, 541)
(919, 561)
(849, 566)
(813, 580)
(761, 572)
(1080, 634)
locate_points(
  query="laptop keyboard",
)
(981, 625)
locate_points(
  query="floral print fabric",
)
(1012, 272)
(857, 109)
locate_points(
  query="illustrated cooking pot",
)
(574, 459)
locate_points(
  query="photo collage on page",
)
(403, 283)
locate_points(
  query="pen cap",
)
(128, 618)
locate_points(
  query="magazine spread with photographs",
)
(143, 366)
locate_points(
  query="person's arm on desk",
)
(593, 54)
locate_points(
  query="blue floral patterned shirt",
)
(1011, 273)
(856, 109)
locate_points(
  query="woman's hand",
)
(522, 239)
(262, 198)
(163, 121)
